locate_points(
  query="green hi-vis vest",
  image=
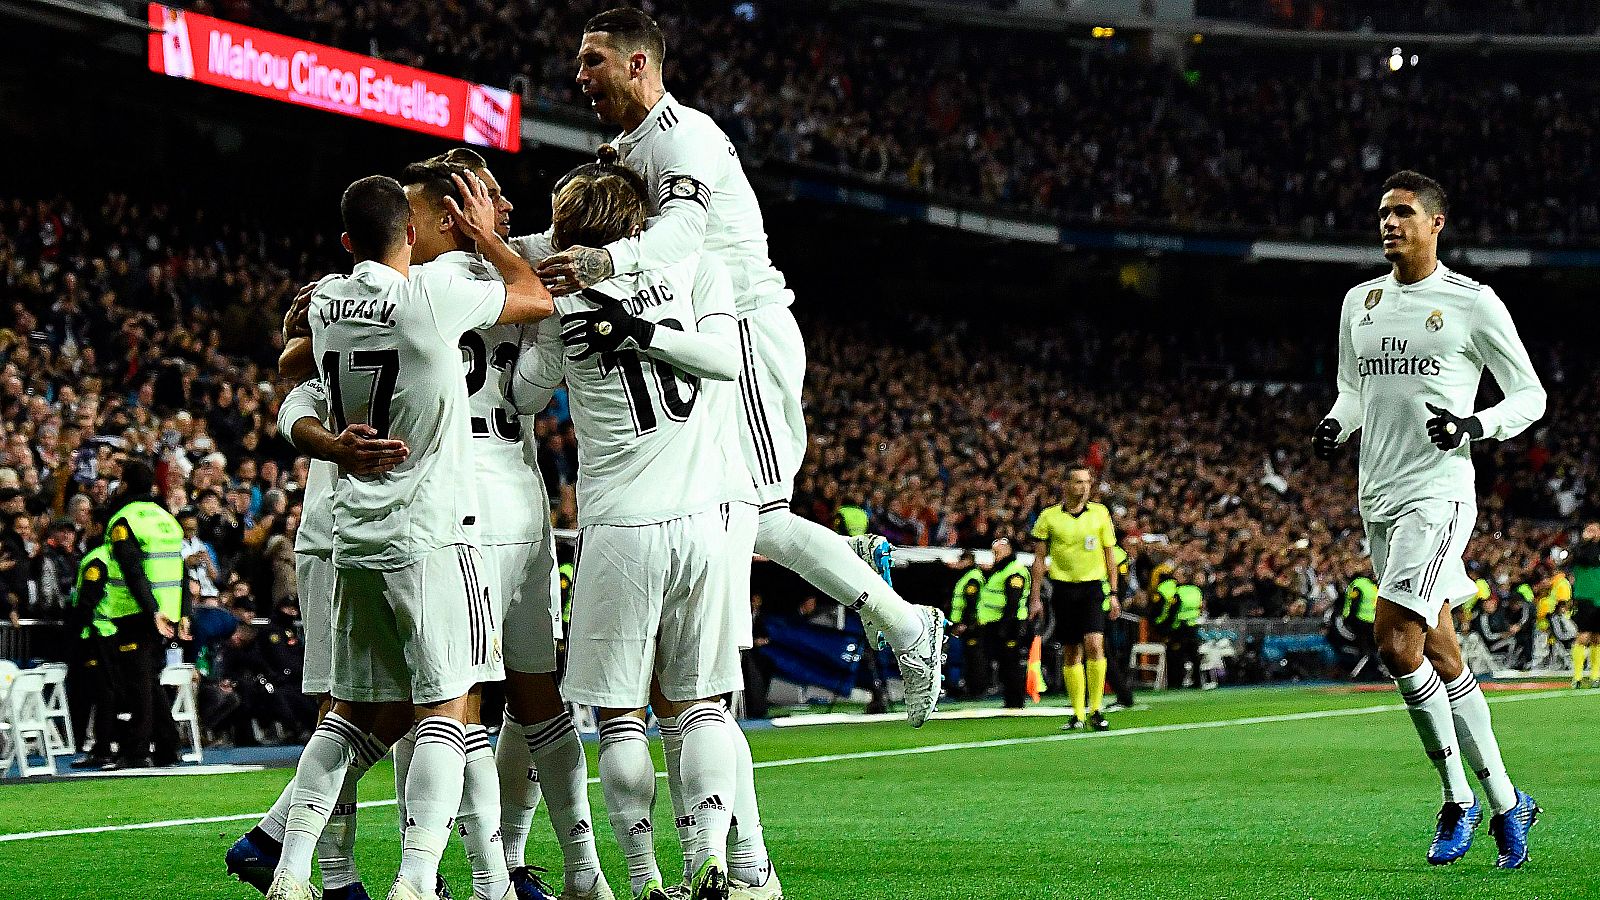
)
(102, 622)
(1471, 604)
(161, 538)
(992, 599)
(968, 587)
(1525, 592)
(1363, 590)
(566, 571)
(1188, 604)
(1120, 556)
(850, 520)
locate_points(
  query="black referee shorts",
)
(1586, 616)
(1080, 609)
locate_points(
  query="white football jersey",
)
(310, 398)
(1403, 346)
(387, 349)
(654, 443)
(504, 468)
(703, 201)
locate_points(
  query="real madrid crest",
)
(1373, 296)
(1435, 321)
(683, 186)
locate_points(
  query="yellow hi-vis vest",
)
(161, 538)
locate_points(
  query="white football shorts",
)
(1417, 556)
(530, 602)
(669, 601)
(314, 579)
(773, 424)
(424, 633)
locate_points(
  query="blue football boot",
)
(252, 863)
(876, 552)
(1453, 838)
(1510, 830)
(527, 884)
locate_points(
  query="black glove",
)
(605, 330)
(1325, 439)
(1447, 430)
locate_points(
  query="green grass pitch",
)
(1294, 804)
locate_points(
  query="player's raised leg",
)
(774, 440)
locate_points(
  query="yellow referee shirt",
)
(1077, 543)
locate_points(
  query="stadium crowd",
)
(136, 329)
(1022, 121)
(1434, 17)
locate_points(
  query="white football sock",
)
(519, 790)
(1476, 733)
(747, 849)
(827, 561)
(277, 818)
(672, 749)
(628, 779)
(478, 820)
(317, 781)
(403, 749)
(709, 781)
(336, 848)
(433, 795)
(557, 752)
(1429, 707)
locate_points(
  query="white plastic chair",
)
(185, 706)
(56, 711)
(26, 725)
(1156, 667)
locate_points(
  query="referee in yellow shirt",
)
(1078, 538)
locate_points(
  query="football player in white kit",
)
(412, 612)
(665, 515)
(703, 202)
(1412, 349)
(539, 748)
(254, 856)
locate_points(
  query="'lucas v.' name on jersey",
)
(654, 443)
(1404, 346)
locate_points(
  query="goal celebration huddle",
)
(427, 567)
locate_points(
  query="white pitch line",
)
(877, 754)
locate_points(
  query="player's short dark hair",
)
(462, 156)
(375, 215)
(1430, 192)
(631, 29)
(597, 203)
(433, 177)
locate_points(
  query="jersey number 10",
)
(667, 379)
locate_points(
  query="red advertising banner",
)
(224, 54)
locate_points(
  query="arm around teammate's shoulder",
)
(526, 299)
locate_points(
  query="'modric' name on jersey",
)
(397, 367)
(654, 443)
(1403, 346)
(703, 201)
(504, 465)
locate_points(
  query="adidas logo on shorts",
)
(1403, 585)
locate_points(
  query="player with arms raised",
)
(1412, 349)
(703, 200)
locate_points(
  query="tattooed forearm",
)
(594, 266)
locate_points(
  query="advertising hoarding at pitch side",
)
(227, 55)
